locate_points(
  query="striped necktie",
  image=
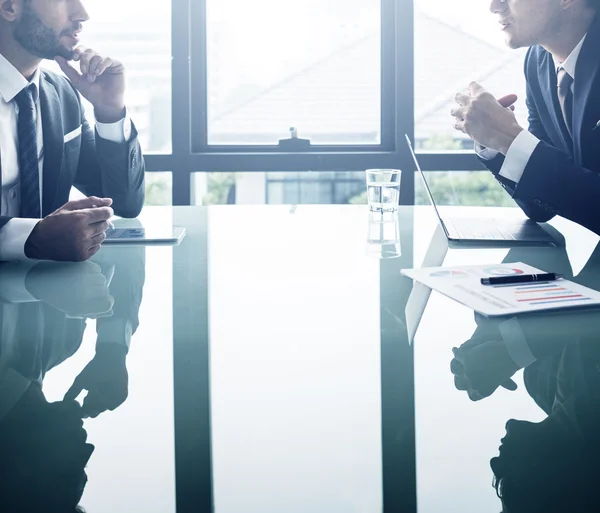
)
(28, 153)
(565, 98)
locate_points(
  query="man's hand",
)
(100, 80)
(105, 378)
(481, 368)
(72, 233)
(484, 119)
(78, 290)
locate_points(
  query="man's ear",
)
(9, 9)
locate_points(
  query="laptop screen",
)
(427, 189)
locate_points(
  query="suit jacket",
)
(95, 166)
(562, 176)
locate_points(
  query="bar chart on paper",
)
(545, 293)
(463, 284)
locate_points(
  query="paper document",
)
(463, 284)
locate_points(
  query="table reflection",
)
(44, 309)
(547, 465)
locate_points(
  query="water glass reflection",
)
(383, 240)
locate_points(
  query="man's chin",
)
(65, 52)
(512, 42)
(51, 54)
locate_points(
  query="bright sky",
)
(472, 15)
(260, 41)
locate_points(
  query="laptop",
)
(486, 230)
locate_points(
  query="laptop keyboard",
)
(486, 230)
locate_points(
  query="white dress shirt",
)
(15, 233)
(525, 143)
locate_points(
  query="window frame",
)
(191, 153)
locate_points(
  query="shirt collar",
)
(571, 61)
(12, 82)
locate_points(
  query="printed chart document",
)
(463, 284)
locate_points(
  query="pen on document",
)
(520, 278)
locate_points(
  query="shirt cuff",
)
(12, 283)
(119, 132)
(516, 343)
(114, 330)
(13, 236)
(485, 153)
(518, 156)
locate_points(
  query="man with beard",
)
(46, 144)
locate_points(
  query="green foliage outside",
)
(475, 188)
(466, 188)
(441, 142)
(361, 199)
(158, 189)
(219, 185)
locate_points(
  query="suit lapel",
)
(548, 76)
(585, 74)
(53, 142)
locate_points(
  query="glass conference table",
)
(275, 365)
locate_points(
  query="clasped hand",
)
(489, 122)
(479, 368)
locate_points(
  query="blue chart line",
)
(541, 285)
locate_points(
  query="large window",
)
(279, 101)
(277, 64)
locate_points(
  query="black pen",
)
(520, 278)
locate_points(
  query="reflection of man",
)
(553, 167)
(44, 453)
(43, 445)
(547, 466)
(500, 347)
(46, 144)
(551, 466)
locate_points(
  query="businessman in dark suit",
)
(46, 144)
(553, 168)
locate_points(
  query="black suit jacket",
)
(561, 177)
(95, 166)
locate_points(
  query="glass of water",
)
(383, 189)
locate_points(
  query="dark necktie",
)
(28, 153)
(565, 98)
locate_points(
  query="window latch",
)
(294, 143)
